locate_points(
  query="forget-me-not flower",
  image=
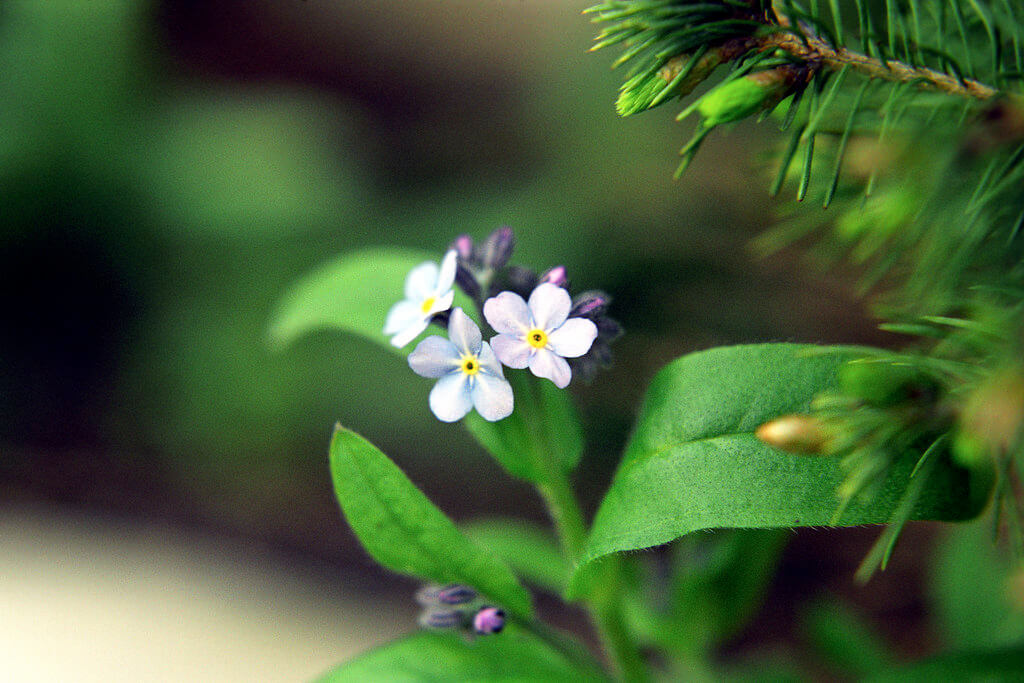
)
(539, 334)
(467, 372)
(428, 290)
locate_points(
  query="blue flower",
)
(468, 373)
(428, 291)
(539, 334)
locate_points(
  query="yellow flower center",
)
(537, 338)
(470, 365)
(428, 304)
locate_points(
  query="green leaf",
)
(1004, 664)
(531, 551)
(513, 654)
(352, 293)
(694, 462)
(405, 532)
(545, 421)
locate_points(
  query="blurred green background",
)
(168, 168)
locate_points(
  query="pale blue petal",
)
(421, 281)
(573, 338)
(464, 333)
(402, 315)
(550, 306)
(434, 357)
(410, 332)
(512, 351)
(446, 276)
(508, 314)
(450, 399)
(492, 396)
(489, 362)
(546, 364)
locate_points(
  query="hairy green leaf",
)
(531, 551)
(694, 462)
(405, 532)
(352, 293)
(513, 654)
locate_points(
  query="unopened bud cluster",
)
(458, 608)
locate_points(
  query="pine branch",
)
(813, 50)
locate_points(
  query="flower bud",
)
(442, 619)
(463, 246)
(489, 620)
(497, 248)
(556, 276)
(451, 594)
(455, 594)
(589, 304)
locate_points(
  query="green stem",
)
(605, 606)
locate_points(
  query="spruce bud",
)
(794, 433)
(743, 97)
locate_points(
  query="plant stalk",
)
(604, 606)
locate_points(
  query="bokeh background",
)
(169, 167)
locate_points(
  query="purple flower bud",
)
(463, 246)
(427, 595)
(456, 594)
(450, 594)
(489, 620)
(589, 304)
(556, 276)
(497, 248)
(440, 618)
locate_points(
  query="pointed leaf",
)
(694, 462)
(405, 532)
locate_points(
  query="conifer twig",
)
(810, 48)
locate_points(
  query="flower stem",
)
(604, 605)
